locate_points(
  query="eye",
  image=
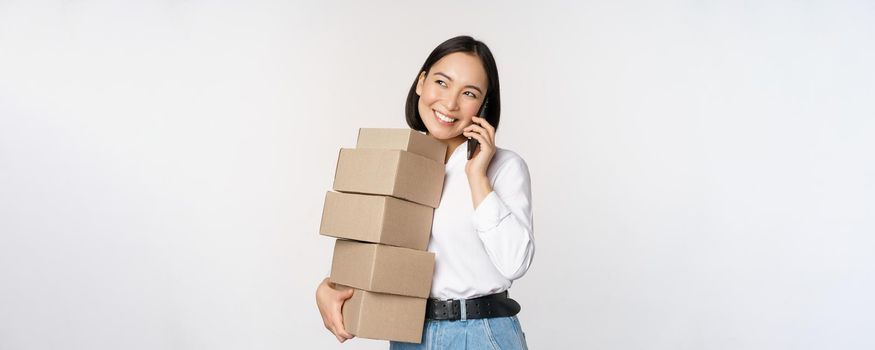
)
(471, 94)
(441, 83)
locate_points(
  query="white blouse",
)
(480, 252)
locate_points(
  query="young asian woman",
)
(482, 231)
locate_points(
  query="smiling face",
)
(450, 94)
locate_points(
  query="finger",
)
(340, 331)
(482, 121)
(479, 137)
(485, 124)
(337, 320)
(333, 332)
(337, 315)
(340, 339)
(480, 132)
(346, 294)
(478, 129)
(483, 146)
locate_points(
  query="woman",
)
(482, 233)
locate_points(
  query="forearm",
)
(506, 235)
(503, 217)
(480, 188)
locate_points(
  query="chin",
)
(440, 134)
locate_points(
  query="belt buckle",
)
(447, 310)
(463, 313)
(454, 310)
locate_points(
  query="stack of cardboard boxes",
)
(387, 189)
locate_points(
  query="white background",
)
(702, 171)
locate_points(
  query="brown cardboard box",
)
(388, 188)
(394, 173)
(384, 316)
(404, 139)
(382, 268)
(377, 219)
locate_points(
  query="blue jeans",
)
(482, 333)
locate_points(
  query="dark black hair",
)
(458, 44)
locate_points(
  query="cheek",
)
(471, 108)
(425, 102)
(428, 96)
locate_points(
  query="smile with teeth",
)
(443, 117)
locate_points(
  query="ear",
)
(419, 83)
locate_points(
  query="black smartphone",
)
(472, 142)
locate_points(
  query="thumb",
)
(347, 294)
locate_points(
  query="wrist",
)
(480, 188)
(479, 181)
(478, 177)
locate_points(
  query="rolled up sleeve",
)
(503, 220)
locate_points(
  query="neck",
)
(451, 144)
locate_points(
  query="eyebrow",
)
(451, 79)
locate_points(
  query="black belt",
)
(493, 305)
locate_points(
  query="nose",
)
(452, 102)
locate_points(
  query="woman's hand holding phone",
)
(484, 133)
(479, 163)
